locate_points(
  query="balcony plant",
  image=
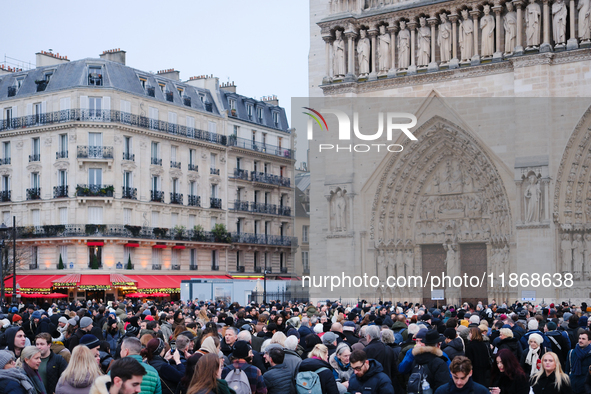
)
(53, 230)
(27, 232)
(198, 232)
(60, 265)
(95, 228)
(107, 191)
(160, 232)
(220, 234)
(134, 230)
(179, 232)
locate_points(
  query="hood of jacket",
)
(337, 364)
(100, 385)
(10, 334)
(456, 344)
(512, 343)
(424, 354)
(398, 325)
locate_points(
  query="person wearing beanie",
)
(329, 339)
(85, 327)
(559, 341)
(349, 333)
(112, 334)
(17, 319)
(93, 343)
(167, 364)
(13, 380)
(241, 352)
(453, 345)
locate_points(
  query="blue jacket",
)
(373, 381)
(9, 386)
(577, 382)
(525, 339)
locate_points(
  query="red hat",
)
(149, 318)
(552, 305)
(16, 318)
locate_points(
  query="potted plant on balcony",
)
(134, 230)
(60, 265)
(160, 232)
(107, 191)
(220, 233)
(198, 232)
(82, 191)
(179, 232)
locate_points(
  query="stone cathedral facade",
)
(470, 197)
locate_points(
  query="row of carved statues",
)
(478, 38)
(575, 251)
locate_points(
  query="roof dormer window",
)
(260, 115)
(95, 76)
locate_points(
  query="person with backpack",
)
(241, 376)
(368, 376)
(429, 367)
(559, 341)
(315, 374)
(461, 379)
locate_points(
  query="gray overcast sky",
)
(261, 45)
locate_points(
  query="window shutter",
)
(107, 108)
(14, 112)
(44, 107)
(83, 102)
(29, 109)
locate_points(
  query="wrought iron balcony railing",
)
(175, 267)
(156, 196)
(193, 267)
(194, 201)
(214, 171)
(215, 203)
(176, 198)
(258, 207)
(5, 196)
(60, 191)
(193, 167)
(156, 266)
(284, 211)
(34, 193)
(62, 154)
(95, 152)
(241, 205)
(263, 239)
(94, 190)
(35, 157)
(175, 164)
(5, 161)
(258, 270)
(270, 179)
(95, 79)
(259, 147)
(129, 192)
(128, 156)
(110, 116)
(151, 91)
(240, 174)
(11, 91)
(156, 162)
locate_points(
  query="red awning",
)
(70, 280)
(132, 245)
(118, 280)
(178, 247)
(95, 282)
(95, 243)
(32, 283)
(161, 282)
(159, 246)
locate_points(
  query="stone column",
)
(393, 29)
(412, 25)
(546, 46)
(498, 55)
(475, 13)
(454, 62)
(373, 33)
(519, 39)
(351, 36)
(328, 43)
(572, 42)
(433, 63)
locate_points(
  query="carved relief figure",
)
(533, 14)
(339, 205)
(381, 264)
(444, 39)
(488, 33)
(533, 201)
(587, 264)
(466, 37)
(338, 63)
(559, 22)
(403, 47)
(383, 49)
(584, 9)
(408, 262)
(578, 255)
(451, 260)
(399, 262)
(423, 43)
(566, 250)
(391, 263)
(510, 25)
(363, 53)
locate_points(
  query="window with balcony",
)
(305, 230)
(212, 127)
(239, 225)
(190, 126)
(95, 145)
(35, 150)
(6, 159)
(260, 115)
(127, 217)
(95, 108)
(214, 261)
(127, 155)
(192, 160)
(62, 152)
(175, 196)
(212, 164)
(155, 157)
(276, 118)
(61, 190)
(174, 162)
(264, 140)
(156, 258)
(172, 121)
(95, 76)
(153, 113)
(8, 116)
(257, 227)
(5, 196)
(95, 177)
(128, 190)
(249, 111)
(95, 215)
(157, 195)
(176, 260)
(193, 259)
(34, 193)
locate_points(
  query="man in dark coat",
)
(279, 378)
(559, 341)
(85, 328)
(430, 355)
(453, 345)
(507, 341)
(461, 372)
(377, 350)
(578, 363)
(52, 365)
(368, 375)
(349, 333)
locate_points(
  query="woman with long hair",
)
(531, 358)
(207, 378)
(551, 379)
(210, 345)
(81, 372)
(203, 314)
(507, 375)
(177, 331)
(158, 357)
(365, 320)
(29, 361)
(479, 354)
(280, 321)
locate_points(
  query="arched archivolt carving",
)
(445, 186)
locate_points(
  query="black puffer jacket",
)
(511, 344)
(373, 381)
(479, 354)
(434, 359)
(454, 348)
(377, 350)
(547, 385)
(327, 380)
(279, 379)
(518, 385)
(56, 365)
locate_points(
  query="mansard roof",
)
(268, 109)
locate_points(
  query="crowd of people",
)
(202, 347)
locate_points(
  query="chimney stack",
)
(228, 87)
(273, 100)
(8, 70)
(114, 55)
(171, 73)
(45, 58)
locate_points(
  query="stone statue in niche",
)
(559, 13)
(578, 255)
(451, 260)
(587, 264)
(399, 262)
(566, 250)
(533, 14)
(505, 261)
(533, 200)
(338, 64)
(466, 37)
(383, 50)
(339, 212)
(510, 25)
(381, 265)
(444, 39)
(408, 262)
(363, 53)
(584, 9)
(403, 47)
(391, 263)
(423, 43)
(488, 33)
